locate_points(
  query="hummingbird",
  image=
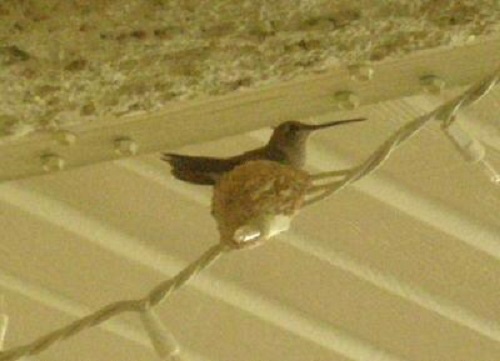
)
(287, 145)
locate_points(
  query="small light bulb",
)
(163, 341)
(247, 233)
(4, 322)
(491, 172)
(471, 149)
(262, 227)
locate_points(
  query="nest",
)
(257, 200)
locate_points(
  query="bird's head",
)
(295, 133)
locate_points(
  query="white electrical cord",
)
(162, 340)
(445, 113)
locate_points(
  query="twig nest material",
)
(256, 201)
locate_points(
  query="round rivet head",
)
(65, 137)
(432, 84)
(126, 146)
(361, 71)
(347, 100)
(52, 162)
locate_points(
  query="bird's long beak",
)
(312, 127)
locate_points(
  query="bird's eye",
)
(291, 128)
(286, 128)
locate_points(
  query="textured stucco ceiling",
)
(65, 62)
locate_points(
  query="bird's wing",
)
(198, 170)
(196, 163)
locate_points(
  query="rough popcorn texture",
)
(65, 62)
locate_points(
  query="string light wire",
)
(166, 346)
(445, 113)
(155, 297)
